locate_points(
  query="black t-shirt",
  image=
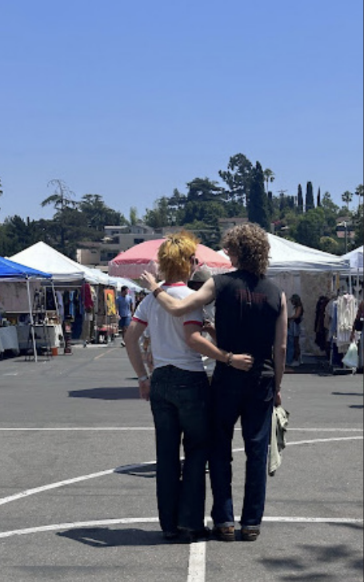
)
(247, 309)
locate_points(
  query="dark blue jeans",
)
(180, 406)
(236, 395)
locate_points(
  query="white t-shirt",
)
(169, 347)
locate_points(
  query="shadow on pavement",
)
(148, 472)
(347, 394)
(315, 569)
(354, 406)
(113, 538)
(107, 393)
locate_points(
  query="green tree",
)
(205, 202)
(238, 178)
(133, 215)
(359, 191)
(300, 199)
(358, 220)
(310, 203)
(68, 228)
(329, 245)
(347, 197)
(98, 214)
(209, 236)
(269, 177)
(62, 199)
(204, 190)
(310, 228)
(161, 215)
(319, 198)
(258, 199)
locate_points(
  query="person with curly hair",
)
(251, 318)
(179, 391)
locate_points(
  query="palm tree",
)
(347, 197)
(269, 176)
(62, 197)
(62, 201)
(359, 192)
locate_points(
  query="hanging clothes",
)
(320, 328)
(346, 313)
(86, 295)
(60, 305)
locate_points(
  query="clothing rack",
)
(38, 321)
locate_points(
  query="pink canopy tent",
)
(144, 257)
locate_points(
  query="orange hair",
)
(175, 254)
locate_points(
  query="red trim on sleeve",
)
(199, 323)
(140, 321)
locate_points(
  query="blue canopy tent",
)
(10, 271)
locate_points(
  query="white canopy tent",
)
(356, 260)
(306, 271)
(288, 256)
(62, 269)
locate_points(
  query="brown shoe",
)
(225, 534)
(250, 535)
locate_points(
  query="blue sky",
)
(133, 99)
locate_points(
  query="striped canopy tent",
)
(144, 257)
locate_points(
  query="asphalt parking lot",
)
(77, 481)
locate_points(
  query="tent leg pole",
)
(32, 323)
(55, 299)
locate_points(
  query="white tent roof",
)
(356, 259)
(118, 282)
(286, 255)
(63, 269)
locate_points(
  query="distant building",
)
(121, 238)
(117, 239)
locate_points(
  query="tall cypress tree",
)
(258, 199)
(319, 198)
(300, 199)
(270, 204)
(310, 202)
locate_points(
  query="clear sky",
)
(133, 99)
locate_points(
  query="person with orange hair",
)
(179, 391)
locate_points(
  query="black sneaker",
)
(191, 536)
(171, 536)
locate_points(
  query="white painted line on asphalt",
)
(77, 525)
(326, 430)
(147, 429)
(197, 563)
(152, 520)
(314, 442)
(128, 468)
(30, 492)
(81, 429)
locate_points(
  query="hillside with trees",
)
(245, 191)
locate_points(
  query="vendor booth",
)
(355, 259)
(314, 276)
(80, 298)
(18, 280)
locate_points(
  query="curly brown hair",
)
(250, 243)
